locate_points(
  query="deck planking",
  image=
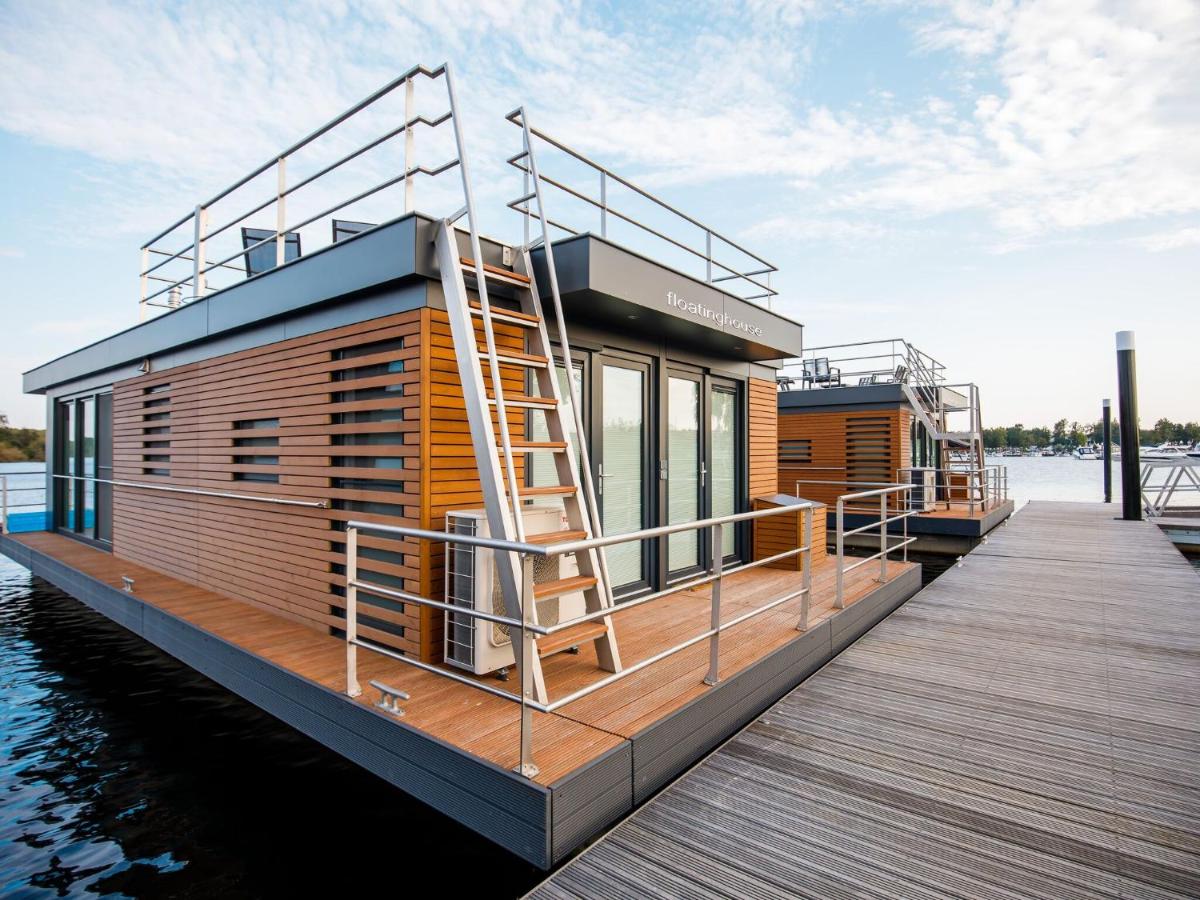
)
(487, 726)
(1027, 725)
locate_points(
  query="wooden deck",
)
(488, 727)
(1027, 725)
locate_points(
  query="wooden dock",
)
(1027, 725)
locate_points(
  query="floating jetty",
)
(1027, 724)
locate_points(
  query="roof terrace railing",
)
(168, 270)
(886, 361)
(746, 272)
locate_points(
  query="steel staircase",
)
(482, 366)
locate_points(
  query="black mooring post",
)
(1106, 436)
(1131, 468)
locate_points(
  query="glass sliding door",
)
(685, 471)
(724, 469)
(543, 470)
(623, 468)
(83, 454)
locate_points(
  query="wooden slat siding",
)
(283, 559)
(763, 408)
(1026, 726)
(829, 434)
(452, 481)
(777, 534)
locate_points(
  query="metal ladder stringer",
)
(496, 448)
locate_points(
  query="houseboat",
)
(855, 418)
(498, 520)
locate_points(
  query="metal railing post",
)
(838, 599)
(3, 504)
(973, 484)
(201, 231)
(806, 562)
(714, 642)
(883, 524)
(527, 767)
(280, 209)
(410, 150)
(603, 203)
(708, 256)
(144, 280)
(353, 688)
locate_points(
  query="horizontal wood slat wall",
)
(763, 406)
(868, 446)
(453, 481)
(331, 416)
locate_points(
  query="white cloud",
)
(11, 252)
(1171, 240)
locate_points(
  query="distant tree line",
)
(1067, 435)
(21, 444)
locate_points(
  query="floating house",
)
(501, 521)
(880, 412)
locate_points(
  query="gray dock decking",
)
(1029, 724)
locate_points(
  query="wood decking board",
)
(1027, 725)
(488, 726)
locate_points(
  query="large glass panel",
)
(104, 468)
(624, 461)
(87, 452)
(66, 438)
(683, 470)
(543, 470)
(724, 461)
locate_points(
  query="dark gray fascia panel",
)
(353, 266)
(848, 396)
(606, 284)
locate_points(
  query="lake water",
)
(124, 773)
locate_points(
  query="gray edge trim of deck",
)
(963, 527)
(505, 808)
(542, 825)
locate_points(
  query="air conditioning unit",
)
(924, 492)
(472, 582)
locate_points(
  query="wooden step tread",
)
(522, 398)
(536, 445)
(468, 263)
(555, 537)
(516, 354)
(562, 586)
(554, 490)
(510, 313)
(570, 637)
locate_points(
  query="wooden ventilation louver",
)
(795, 452)
(869, 449)
(329, 417)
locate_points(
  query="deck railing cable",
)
(529, 629)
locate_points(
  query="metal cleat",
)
(389, 698)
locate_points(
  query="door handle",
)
(600, 476)
(703, 472)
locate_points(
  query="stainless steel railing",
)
(746, 271)
(1176, 477)
(886, 546)
(7, 491)
(982, 487)
(161, 265)
(528, 628)
(173, 489)
(865, 362)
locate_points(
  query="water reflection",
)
(125, 773)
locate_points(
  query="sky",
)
(1006, 185)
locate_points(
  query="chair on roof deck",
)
(868, 379)
(901, 375)
(262, 258)
(344, 228)
(784, 382)
(818, 372)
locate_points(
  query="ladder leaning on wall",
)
(465, 282)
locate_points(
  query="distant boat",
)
(1047, 452)
(1164, 451)
(1086, 453)
(1011, 453)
